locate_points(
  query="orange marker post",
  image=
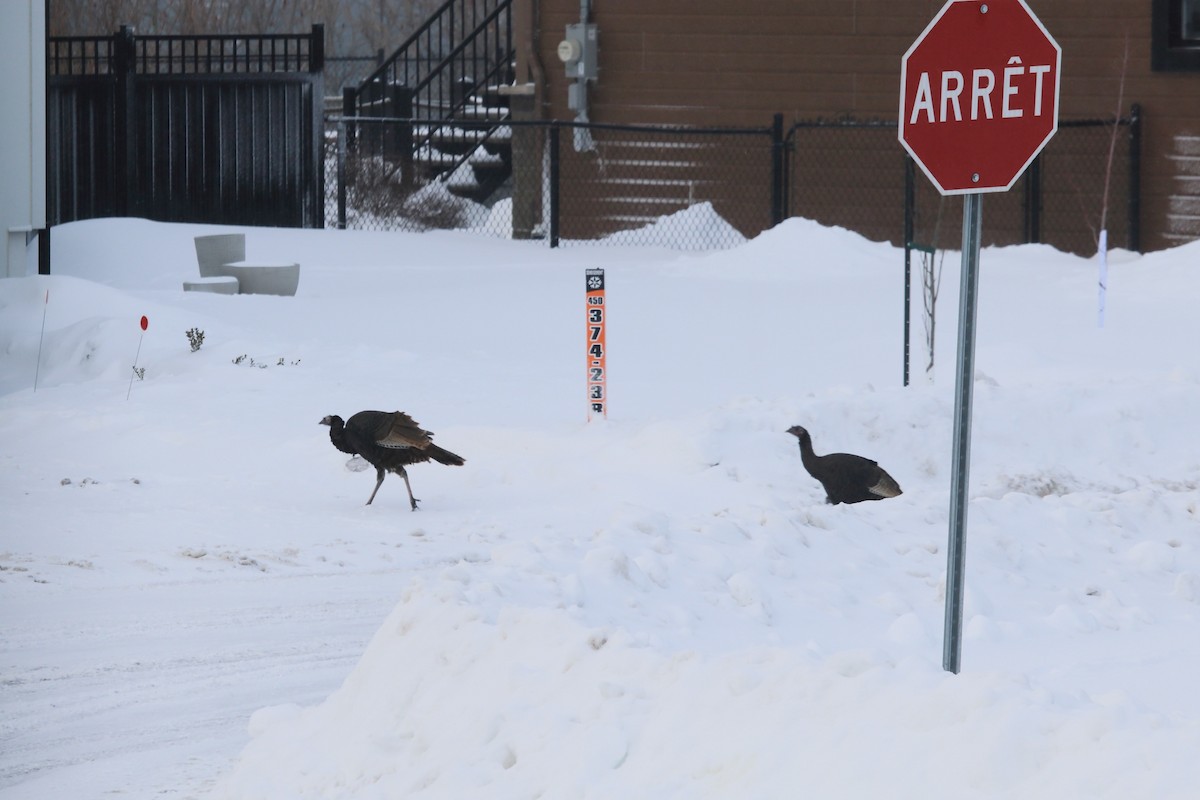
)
(597, 372)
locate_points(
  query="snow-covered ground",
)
(195, 601)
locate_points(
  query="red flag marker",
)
(145, 323)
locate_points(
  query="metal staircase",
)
(445, 79)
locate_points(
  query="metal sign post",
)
(960, 468)
(978, 102)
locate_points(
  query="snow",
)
(197, 602)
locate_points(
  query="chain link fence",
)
(691, 189)
(343, 71)
(710, 188)
(1071, 190)
(688, 189)
(847, 173)
(853, 174)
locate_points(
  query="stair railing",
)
(465, 46)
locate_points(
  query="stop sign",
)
(979, 94)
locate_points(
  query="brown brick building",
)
(739, 62)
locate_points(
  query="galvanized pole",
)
(961, 459)
(555, 189)
(342, 133)
(910, 203)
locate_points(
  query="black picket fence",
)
(710, 188)
(213, 128)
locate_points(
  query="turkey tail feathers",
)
(443, 456)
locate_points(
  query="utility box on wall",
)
(22, 133)
(577, 51)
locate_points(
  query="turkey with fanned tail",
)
(389, 441)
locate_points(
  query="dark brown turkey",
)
(847, 478)
(389, 441)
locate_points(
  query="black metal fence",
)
(348, 72)
(1087, 177)
(846, 172)
(222, 129)
(559, 181)
(341, 71)
(707, 188)
(228, 129)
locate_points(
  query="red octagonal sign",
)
(979, 95)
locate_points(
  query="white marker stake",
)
(1103, 274)
(145, 324)
(38, 369)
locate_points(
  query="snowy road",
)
(146, 692)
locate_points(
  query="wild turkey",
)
(389, 441)
(847, 478)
